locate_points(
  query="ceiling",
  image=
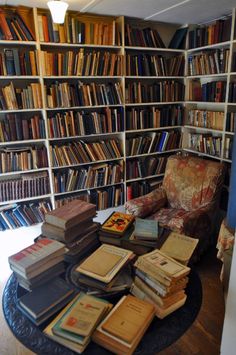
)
(172, 11)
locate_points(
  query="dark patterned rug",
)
(159, 336)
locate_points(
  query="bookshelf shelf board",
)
(79, 77)
(206, 76)
(204, 154)
(21, 110)
(154, 49)
(204, 129)
(227, 160)
(154, 77)
(40, 197)
(150, 129)
(34, 141)
(88, 188)
(153, 153)
(17, 43)
(85, 136)
(232, 73)
(88, 163)
(79, 107)
(210, 46)
(77, 45)
(231, 103)
(154, 103)
(205, 103)
(24, 171)
(19, 77)
(144, 178)
(229, 133)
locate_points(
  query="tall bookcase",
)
(104, 132)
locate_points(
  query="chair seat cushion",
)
(172, 218)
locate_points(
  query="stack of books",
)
(38, 263)
(72, 224)
(160, 280)
(145, 232)
(76, 323)
(124, 327)
(106, 270)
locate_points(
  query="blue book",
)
(161, 141)
(146, 229)
(3, 223)
(10, 219)
(20, 219)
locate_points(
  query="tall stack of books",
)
(75, 324)
(106, 270)
(160, 280)
(38, 263)
(72, 224)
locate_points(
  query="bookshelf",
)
(97, 87)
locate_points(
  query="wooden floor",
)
(203, 337)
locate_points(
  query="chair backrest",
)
(191, 182)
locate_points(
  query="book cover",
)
(117, 223)
(105, 262)
(146, 229)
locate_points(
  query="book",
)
(73, 213)
(179, 247)
(35, 255)
(117, 223)
(146, 229)
(84, 315)
(113, 259)
(178, 39)
(124, 327)
(45, 297)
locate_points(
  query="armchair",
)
(188, 199)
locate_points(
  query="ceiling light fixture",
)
(58, 10)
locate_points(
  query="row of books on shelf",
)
(24, 186)
(230, 121)
(81, 94)
(232, 92)
(139, 168)
(84, 62)
(140, 188)
(85, 152)
(153, 117)
(88, 177)
(15, 127)
(23, 215)
(18, 62)
(216, 32)
(210, 62)
(205, 143)
(28, 97)
(13, 25)
(154, 65)
(79, 30)
(206, 119)
(23, 158)
(213, 91)
(162, 91)
(80, 123)
(155, 142)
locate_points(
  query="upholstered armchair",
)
(187, 202)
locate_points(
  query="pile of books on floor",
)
(74, 325)
(72, 224)
(118, 229)
(160, 280)
(146, 232)
(106, 270)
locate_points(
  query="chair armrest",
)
(145, 205)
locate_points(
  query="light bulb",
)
(58, 10)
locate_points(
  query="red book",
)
(45, 29)
(4, 26)
(129, 192)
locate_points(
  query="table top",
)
(159, 335)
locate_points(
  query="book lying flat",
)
(71, 214)
(146, 229)
(105, 262)
(117, 223)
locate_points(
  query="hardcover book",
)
(146, 229)
(117, 223)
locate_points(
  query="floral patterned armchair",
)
(188, 199)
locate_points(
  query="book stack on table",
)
(160, 280)
(72, 224)
(146, 232)
(106, 271)
(38, 263)
(75, 324)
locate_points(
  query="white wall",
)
(228, 344)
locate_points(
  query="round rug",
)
(160, 334)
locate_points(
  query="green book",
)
(146, 229)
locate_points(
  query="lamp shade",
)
(58, 10)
